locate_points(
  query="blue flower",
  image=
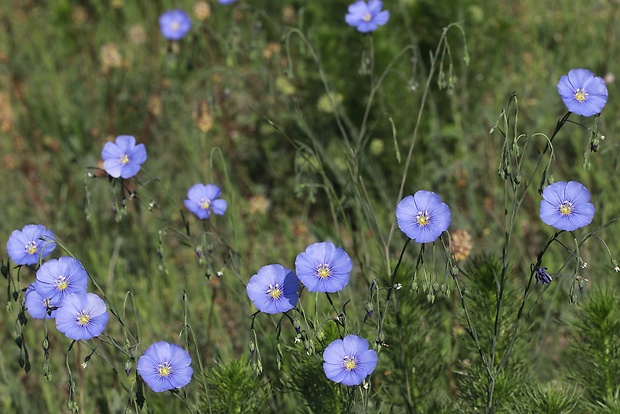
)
(566, 206)
(542, 276)
(226, 1)
(165, 366)
(423, 217)
(366, 17)
(123, 157)
(582, 92)
(349, 361)
(82, 316)
(201, 198)
(58, 278)
(273, 289)
(174, 24)
(32, 243)
(323, 267)
(37, 306)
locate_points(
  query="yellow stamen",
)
(349, 363)
(124, 159)
(323, 271)
(61, 283)
(274, 291)
(164, 369)
(31, 247)
(367, 17)
(581, 95)
(175, 26)
(204, 203)
(422, 218)
(566, 208)
(83, 319)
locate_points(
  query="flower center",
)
(367, 17)
(349, 363)
(175, 26)
(323, 271)
(422, 218)
(83, 318)
(566, 208)
(31, 247)
(164, 369)
(204, 203)
(274, 291)
(61, 283)
(581, 95)
(124, 159)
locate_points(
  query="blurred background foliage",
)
(268, 99)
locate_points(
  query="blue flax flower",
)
(203, 198)
(349, 361)
(323, 267)
(566, 206)
(123, 157)
(273, 289)
(542, 276)
(226, 1)
(174, 24)
(366, 17)
(82, 316)
(28, 245)
(582, 92)
(37, 306)
(58, 278)
(165, 366)
(422, 216)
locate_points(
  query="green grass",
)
(259, 76)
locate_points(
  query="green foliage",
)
(232, 387)
(420, 351)
(494, 358)
(594, 351)
(548, 399)
(307, 380)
